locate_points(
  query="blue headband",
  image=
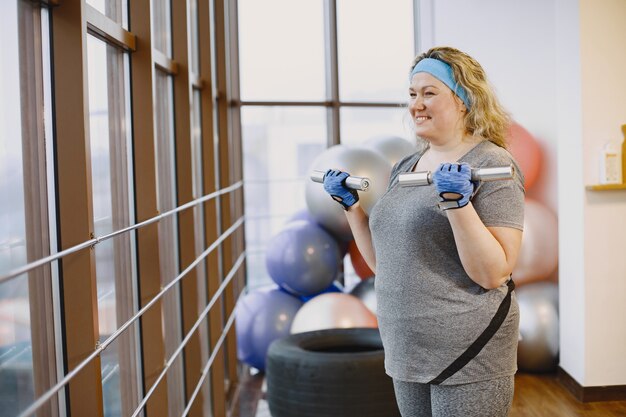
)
(443, 72)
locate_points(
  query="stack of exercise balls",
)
(305, 258)
(537, 294)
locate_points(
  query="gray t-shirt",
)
(429, 310)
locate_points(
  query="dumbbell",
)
(352, 182)
(412, 179)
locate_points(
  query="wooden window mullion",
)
(75, 210)
(206, 39)
(146, 205)
(227, 156)
(184, 181)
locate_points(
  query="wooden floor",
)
(543, 395)
(535, 396)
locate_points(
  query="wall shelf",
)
(605, 187)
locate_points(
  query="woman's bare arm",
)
(488, 254)
(359, 224)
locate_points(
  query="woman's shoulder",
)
(405, 164)
(405, 161)
(408, 160)
(488, 153)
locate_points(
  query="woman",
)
(443, 255)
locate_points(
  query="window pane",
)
(279, 146)
(162, 29)
(168, 235)
(116, 10)
(193, 33)
(360, 124)
(110, 155)
(375, 47)
(200, 242)
(281, 58)
(197, 186)
(101, 181)
(16, 363)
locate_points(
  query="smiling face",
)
(437, 113)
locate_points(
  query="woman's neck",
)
(454, 148)
(450, 151)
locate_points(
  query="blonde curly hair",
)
(486, 118)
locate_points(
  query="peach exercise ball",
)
(333, 311)
(526, 151)
(358, 263)
(538, 256)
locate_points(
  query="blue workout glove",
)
(335, 185)
(454, 185)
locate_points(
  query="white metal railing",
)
(92, 242)
(100, 347)
(180, 348)
(216, 349)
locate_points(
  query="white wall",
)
(603, 76)
(570, 191)
(559, 67)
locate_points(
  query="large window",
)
(109, 140)
(313, 74)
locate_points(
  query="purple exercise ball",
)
(334, 287)
(303, 258)
(302, 214)
(263, 316)
(305, 215)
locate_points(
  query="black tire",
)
(329, 373)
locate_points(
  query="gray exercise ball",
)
(538, 346)
(358, 161)
(364, 291)
(393, 148)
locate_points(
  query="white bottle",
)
(611, 163)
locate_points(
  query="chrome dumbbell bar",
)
(413, 179)
(355, 183)
(410, 179)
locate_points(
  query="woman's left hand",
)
(454, 185)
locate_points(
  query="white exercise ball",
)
(538, 346)
(365, 291)
(393, 148)
(357, 161)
